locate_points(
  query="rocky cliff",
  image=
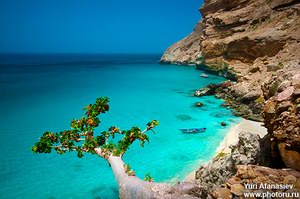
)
(256, 43)
(243, 37)
(246, 38)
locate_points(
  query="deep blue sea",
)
(45, 92)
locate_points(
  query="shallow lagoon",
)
(43, 92)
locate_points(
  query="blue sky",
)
(94, 26)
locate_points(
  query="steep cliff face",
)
(187, 50)
(256, 42)
(246, 38)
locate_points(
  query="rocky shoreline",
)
(243, 158)
(257, 44)
(248, 106)
(232, 138)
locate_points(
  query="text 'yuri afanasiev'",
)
(268, 186)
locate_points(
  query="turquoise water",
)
(40, 93)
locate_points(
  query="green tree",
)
(81, 138)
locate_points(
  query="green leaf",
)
(84, 129)
(79, 153)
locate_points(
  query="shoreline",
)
(232, 138)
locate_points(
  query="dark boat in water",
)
(193, 130)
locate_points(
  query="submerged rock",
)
(223, 124)
(184, 117)
(199, 104)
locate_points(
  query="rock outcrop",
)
(248, 150)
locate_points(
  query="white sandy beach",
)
(232, 137)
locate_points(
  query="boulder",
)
(247, 151)
(286, 94)
(251, 96)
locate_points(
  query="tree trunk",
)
(132, 187)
